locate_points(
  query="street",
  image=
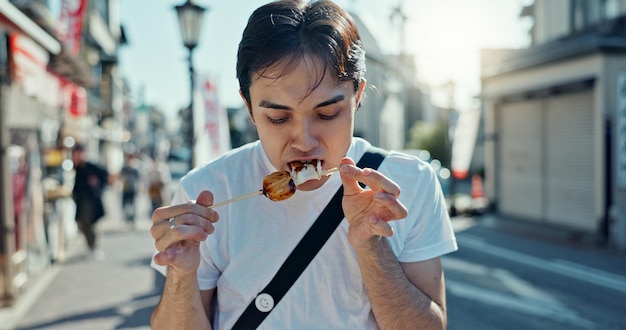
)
(505, 278)
(81, 292)
(115, 293)
(502, 277)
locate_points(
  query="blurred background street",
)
(519, 106)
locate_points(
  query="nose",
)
(304, 136)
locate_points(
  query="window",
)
(587, 13)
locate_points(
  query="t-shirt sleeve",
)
(427, 232)
(208, 273)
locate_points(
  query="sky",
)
(444, 35)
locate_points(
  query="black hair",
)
(284, 32)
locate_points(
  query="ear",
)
(245, 102)
(359, 93)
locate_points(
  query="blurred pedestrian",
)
(129, 175)
(89, 183)
(158, 179)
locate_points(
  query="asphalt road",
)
(514, 278)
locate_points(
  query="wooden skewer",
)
(254, 193)
(330, 171)
(260, 192)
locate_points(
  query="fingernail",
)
(344, 168)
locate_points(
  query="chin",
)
(312, 184)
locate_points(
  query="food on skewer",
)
(278, 186)
(302, 172)
(281, 185)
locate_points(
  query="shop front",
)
(549, 136)
(37, 211)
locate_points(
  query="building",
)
(555, 126)
(393, 98)
(59, 85)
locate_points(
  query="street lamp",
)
(190, 20)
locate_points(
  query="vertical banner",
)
(464, 139)
(213, 138)
(70, 27)
(620, 131)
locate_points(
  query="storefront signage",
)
(29, 70)
(71, 24)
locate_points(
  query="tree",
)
(432, 137)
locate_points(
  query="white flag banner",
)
(464, 141)
(213, 137)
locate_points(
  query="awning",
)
(15, 19)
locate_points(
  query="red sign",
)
(70, 27)
(29, 71)
(78, 101)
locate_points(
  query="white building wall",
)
(551, 20)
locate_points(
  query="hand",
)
(368, 211)
(179, 246)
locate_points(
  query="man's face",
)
(298, 123)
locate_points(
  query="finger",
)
(205, 198)
(396, 209)
(181, 233)
(191, 222)
(198, 207)
(189, 219)
(349, 173)
(162, 258)
(375, 180)
(169, 255)
(185, 215)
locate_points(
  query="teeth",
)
(310, 171)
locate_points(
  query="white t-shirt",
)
(254, 236)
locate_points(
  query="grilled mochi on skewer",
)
(302, 172)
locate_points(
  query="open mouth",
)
(303, 171)
(300, 165)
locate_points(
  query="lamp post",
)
(190, 20)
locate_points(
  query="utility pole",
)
(397, 13)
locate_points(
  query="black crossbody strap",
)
(303, 253)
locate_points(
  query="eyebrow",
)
(272, 105)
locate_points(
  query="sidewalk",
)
(117, 292)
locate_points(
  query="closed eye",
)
(277, 120)
(328, 117)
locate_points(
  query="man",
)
(300, 69)
(89, 183)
